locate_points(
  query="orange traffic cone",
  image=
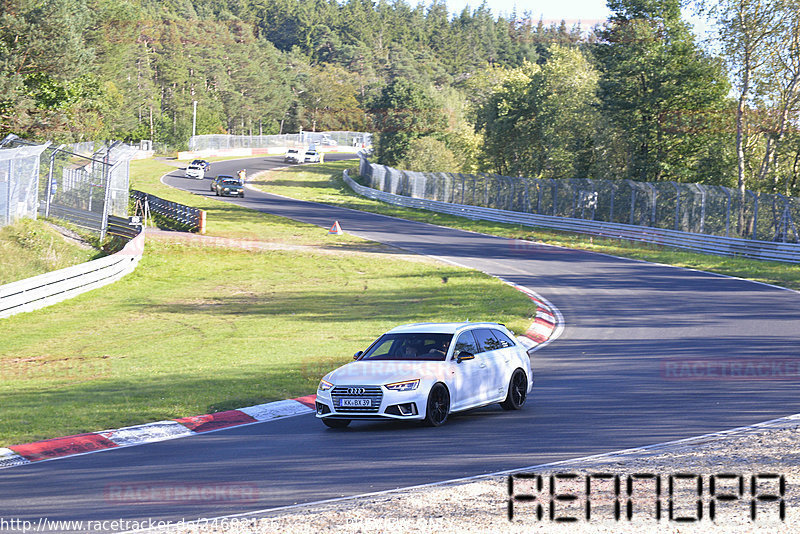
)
(335, 229)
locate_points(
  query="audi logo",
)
(356, 391)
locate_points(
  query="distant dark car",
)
(219, 178)
(202, 163)
(228, 187)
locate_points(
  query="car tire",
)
(438, 406)
(335, 423)
(517, 391)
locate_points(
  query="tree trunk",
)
(740, 139)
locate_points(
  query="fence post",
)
(677, 203)
(106, 193)
(728, 212)
(8, 189)
(49, 189)
(702, 207)
(755, 213)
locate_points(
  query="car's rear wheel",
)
(438, 406)
(336, 423)
(517, 391)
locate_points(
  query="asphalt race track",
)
(608, 383)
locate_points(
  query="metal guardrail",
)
(192, 219)
(49, 288)
(710, 244)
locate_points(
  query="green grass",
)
(31, 247)
(324, 183)
(198, 329)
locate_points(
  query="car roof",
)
(223, 176)
(438, 328)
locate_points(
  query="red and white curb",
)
(51, 449)
(548, 324)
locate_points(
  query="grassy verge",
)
(323, 183)
(31, 247)
(197, 329)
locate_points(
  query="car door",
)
(492, 364)
(466, 375)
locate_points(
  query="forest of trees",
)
(635, 97)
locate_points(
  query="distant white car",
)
(311, 156)
(427, 371)
(195, 171)
(293, 155)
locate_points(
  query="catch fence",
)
(692, 208)
(302, 139)
(65, 182)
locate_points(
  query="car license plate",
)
(356, 403)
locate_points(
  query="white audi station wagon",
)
(427, 371)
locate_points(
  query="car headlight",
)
(407, 385)
(226, 189)
(324, 385)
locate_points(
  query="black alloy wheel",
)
(517, 391)
(438, 405)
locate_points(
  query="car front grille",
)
(373, 393)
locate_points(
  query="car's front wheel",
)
(438, 406)
(336, 423)
(517, 391)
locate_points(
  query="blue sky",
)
(588, 12)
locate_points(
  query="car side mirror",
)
(464, 355)
(358, 354)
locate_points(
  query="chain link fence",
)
(695, 208)
(302, 139)
(67, 183)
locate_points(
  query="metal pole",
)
(728, 212)
(611, 209)
(8, 190)
(677, 204)
(107, 192)
(194, 120)
(755, 213)
(702, 208)
(49, 190)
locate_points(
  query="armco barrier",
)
(192, 219)
(49, 288)
(710, 244)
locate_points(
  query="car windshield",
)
(410, 347)
(230, 182)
